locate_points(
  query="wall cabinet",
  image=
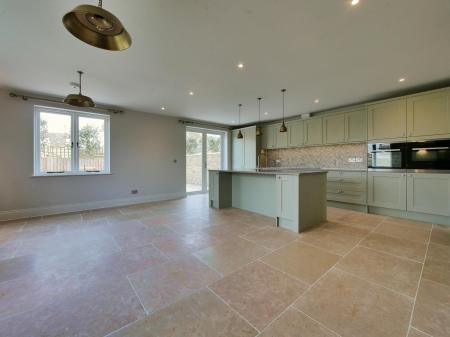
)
(334, 129)
(268, 140)
(356, 126)
(281, 138)
(387, 189)
(387, 120)
(237, 151)
(295, 133)
(429, 115)
(428, 193)
(244, 150)
(314, 131)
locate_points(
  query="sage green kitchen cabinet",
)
(356, 126)
(287, 204)
(281, 138)
(295, 133)
(387, 190)
(314, 131)
(220, 189)
(429, 115)
(237, 149)
(250, 147)
(334, 129)
(387, 120)
(428, 193)
(347, 186)
(268, 137)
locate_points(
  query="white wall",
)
(143, 150)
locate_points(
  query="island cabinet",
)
(387, 121)
(428, 193)
(314, 131)
(387, 190)
(429, 115)
(220, 189)
(287, 201)
(244, 150)
(295, 133)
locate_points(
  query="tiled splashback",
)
(349, 156)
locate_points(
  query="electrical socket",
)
(134, 191)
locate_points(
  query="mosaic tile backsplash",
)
(348, 156)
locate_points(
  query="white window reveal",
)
(69, 142)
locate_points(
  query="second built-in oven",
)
(386, 156)
(429, 155)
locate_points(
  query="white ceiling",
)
(322, 49)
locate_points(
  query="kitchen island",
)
(296, 199)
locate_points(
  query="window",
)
(68, 142)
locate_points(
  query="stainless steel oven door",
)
(386, 156)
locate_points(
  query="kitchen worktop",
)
(274, 171)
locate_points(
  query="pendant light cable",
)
(283, 127)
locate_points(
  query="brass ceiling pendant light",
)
(79, 99)
(97, 27)
(283, 127)
(239, 135)
(258, 128)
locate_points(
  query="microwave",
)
(387, 156)
(429, 155)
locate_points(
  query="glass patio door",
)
(204, 151)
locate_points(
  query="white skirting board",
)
(60, 209)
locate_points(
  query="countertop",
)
(266, 171)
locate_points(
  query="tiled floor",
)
(180, 269)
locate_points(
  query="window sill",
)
(71, 174)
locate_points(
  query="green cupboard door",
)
(313, 131)
(387, 120)
(237, 150)
(429, 193)
(287, 201)
(295, 133)
(429, 114)
(281, 138)
(334, 129)
(264, 137)
(387, 189)
(356, 126)
(249, 148)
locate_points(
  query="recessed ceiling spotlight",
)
(233, 122)
(266, 113)
(191, 93)
(240, 65)
(402, 79)
(163, 108)
(316, 100)
(355, 2)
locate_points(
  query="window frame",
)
(74, 115)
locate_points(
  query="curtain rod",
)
(202, 124)
(26, 98)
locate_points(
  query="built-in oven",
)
(429, 155)
(386, 156)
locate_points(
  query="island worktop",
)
(295, 199)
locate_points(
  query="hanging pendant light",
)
(258, 128)
(283, 127)
(240, 135)
(79, 99)
(97, 27)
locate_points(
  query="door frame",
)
(223, 153)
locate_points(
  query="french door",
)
(204, 151)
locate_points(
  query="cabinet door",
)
(334, 129)
(313, 131)
(264, 137)
(429, 193)
(295, 133)
(386, 189)
(356, 126)
(387, 120)
(214, 188)
(281, 138)
(267, 138)
(287, 201)
(429, 114)
(237, 151)
(249, 148)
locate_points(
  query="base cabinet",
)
(347, 186)
(387, 190)
(428, 193)
(219, 189)
(287, 201)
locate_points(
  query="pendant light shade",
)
(283, 127)
(258, 128)
(79, 99)
(97, 27)
(239, 135)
